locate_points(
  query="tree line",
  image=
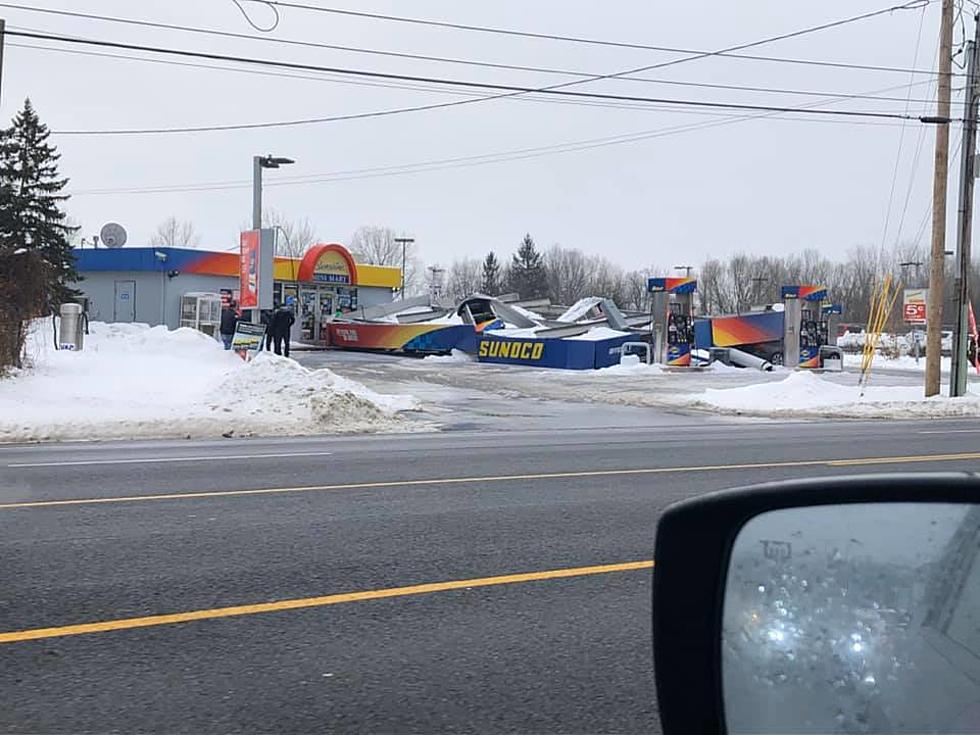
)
(561, 274)
(741, 281)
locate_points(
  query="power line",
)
(509, 90)
(459, 161)
(668, 82)
(901, 137)
(415, 57)
(256, 26)
(613, 44)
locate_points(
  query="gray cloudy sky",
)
(764, 185)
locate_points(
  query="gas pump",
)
(810, 336)
(806, 328)
(673, 319)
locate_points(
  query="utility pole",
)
(964, 222)
(686, 268)
(404, 242)
(934, 307)
(3, 36)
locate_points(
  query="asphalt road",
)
(119, 534)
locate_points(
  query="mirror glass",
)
(854, 619)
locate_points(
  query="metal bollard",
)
(72, 335)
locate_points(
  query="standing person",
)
(282, 322)
(265, 316)
(229, 320)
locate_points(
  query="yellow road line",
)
(493, 478)
(896, 460)
(149, 621)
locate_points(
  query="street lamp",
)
(404, 242)
(686, 268)
(259, 163)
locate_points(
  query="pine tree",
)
(527, 272)
(491, 275)
(31, 216)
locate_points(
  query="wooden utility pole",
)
(937, 259)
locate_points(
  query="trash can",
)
(72, 332)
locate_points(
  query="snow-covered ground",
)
(811, 394)
(135, 381)
(904, 362)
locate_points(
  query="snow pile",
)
(903, 362)
(455, 356)
(135, 381)
(629, 365)
(808, 394)
(599, 333)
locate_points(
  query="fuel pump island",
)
(798, 335)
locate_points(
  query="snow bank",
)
(135, 381)
(808, 394)
(903, 362)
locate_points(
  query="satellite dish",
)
(113, 235)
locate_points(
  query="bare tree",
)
(376, 245)
(567, 273)
(635, 291)
(173, 233)
(293, 237)
(465, 278)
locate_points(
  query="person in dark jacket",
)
(229, 320)
(265, 317)
(282, 322)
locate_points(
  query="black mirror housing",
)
(693, 550)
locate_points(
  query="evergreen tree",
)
(491, 275)
(32, 220)
(527, 271)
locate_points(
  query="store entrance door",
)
(317, 307)
(309, 312)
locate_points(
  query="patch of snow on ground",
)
(456, 356)
(904, 362)
(629, 365)
(804, 393)
(131, 380)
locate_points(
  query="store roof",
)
(210, 263)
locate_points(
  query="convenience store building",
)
(147, 284)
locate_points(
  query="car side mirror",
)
(841, 605)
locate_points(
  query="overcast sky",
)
(770, 185)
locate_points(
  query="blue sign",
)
(571, 354)
(331, 278)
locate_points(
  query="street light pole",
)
(259, 163)
(404, 242)
(257, 192)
